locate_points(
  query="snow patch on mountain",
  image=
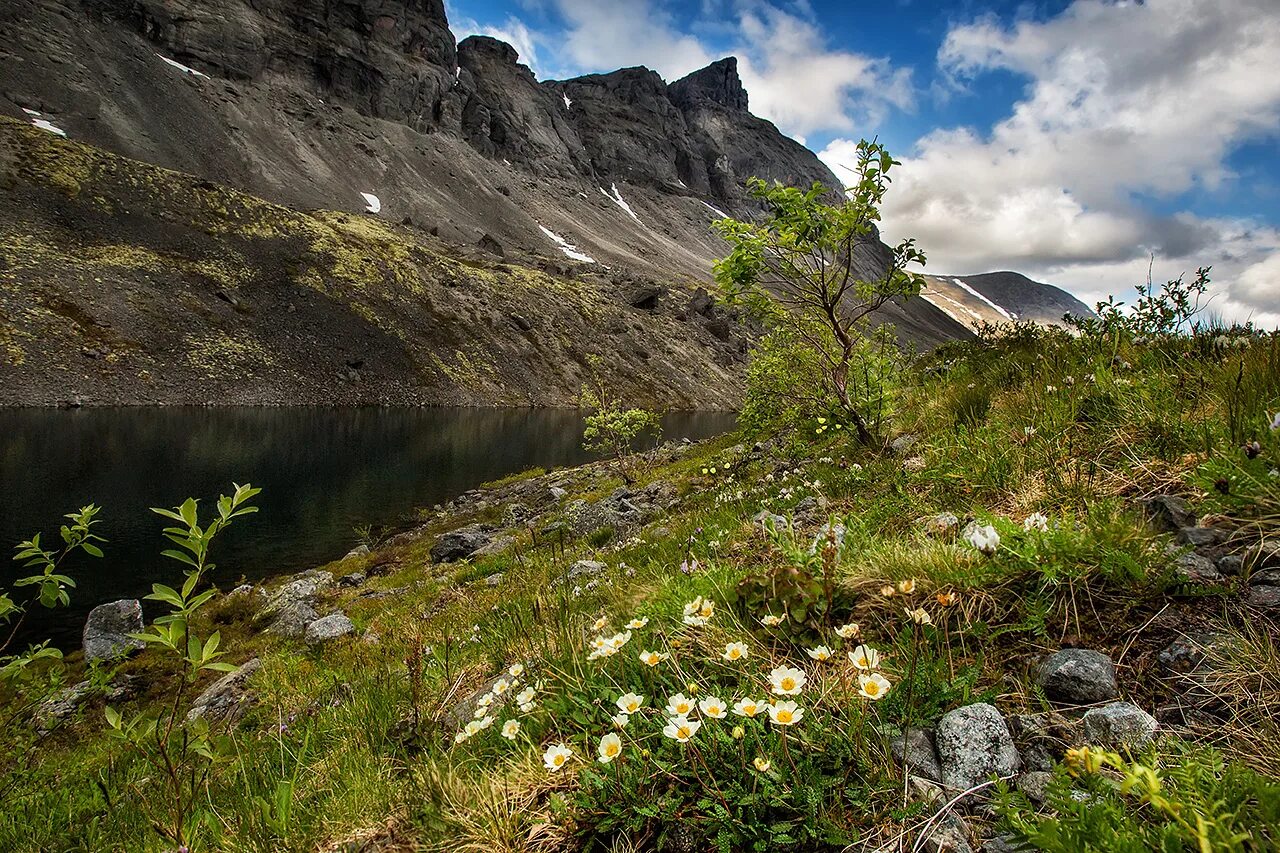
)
(565, 246)
(616, 197)
(1003, 313)
(185, 69)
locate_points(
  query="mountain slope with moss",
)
(125, 283)
(1040, 498)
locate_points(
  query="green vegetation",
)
(628, 683)
(611, 426)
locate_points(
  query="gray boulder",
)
(1119, 724)
(1265, 598)
(107, 630)
(1200, 536)
(358, 551)
(919, 753)
(1078, 677)
(328, 628)
(1035, 784)
(291, 608)
(1170, 512)
(459, 544)
(584, 569)
(974, 744)
(228, 698)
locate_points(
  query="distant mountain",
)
(1001, 297)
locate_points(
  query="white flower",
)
(620, 720)
(600, 623)
(920, 616)
(527, 707)
(681, 728)
(983, 537)
(524, 697)
(516, 670)
(865, 658)
(679, 705)
(873, 686)
(510, 729)
(609, 749)
(762, 764)
(735, 651)
(1035, 521)
(653, 658)
(820, 653)
(500, 686)
(556, 756)
(785, 713)
(786, 681)
(629, 703)
(699, 611)
(712, 707)
(846, 632)
(748, 707)
(637, 624)
(770, 621)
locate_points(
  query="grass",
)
(357, 741)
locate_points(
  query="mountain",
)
(1001, 297)
(205, 135)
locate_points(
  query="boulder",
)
(1035, 784)
(228, 698)
(1078, 677)
(291, 608)
(353, 579)
(974, 745)
(1169, 512)
(586, 569)
(459, 544)
(107, 630)
(358, 551)
(919, 753)
(902, 444)
(1264, 598)
(328, 628)
(1199, 536)
(1119, 725)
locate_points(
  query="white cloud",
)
(513, 31)
(1121, 101)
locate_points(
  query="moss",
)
(215, 351)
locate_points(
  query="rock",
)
(328, 628)
(353, 579)
(1230, 564)
(921, 753)
(1078, 677)
(522, 322)
(243, 589)
(764, 517)
(496, 545)
(902, 444)
(358, 551)
(1119, 724)
(59, 707)
(1005, 844)
(228, 698)
(1264, 577)
(556, 493)
(106, 631)
(1034, 784)
(949, 835)
(493, 579)
(1195, 569)
(1186, 654)
(827, 534)
(974, 744)
(488, 243)
(586, 569)
(291, 608)
(1199, 536)
(942, 524)
(1264, 598)
(1169, 512)
(459, 544)
(925, 790)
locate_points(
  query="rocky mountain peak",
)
(718, 82)
(488, 47)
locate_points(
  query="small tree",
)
(611, 427)
(806, 255)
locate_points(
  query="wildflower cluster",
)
(507, 685)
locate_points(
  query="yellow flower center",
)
(784, 716)
(611, 749)
(788, 683)
(872, 688)
(632, 706)
(558, 760)
(683, 732)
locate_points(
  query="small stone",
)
(328, 628)
(493, 579)
(1199, 536)
(458, 544)
(1119, 724)
(974, 744)
(107, 630)
(353, 579)
(557, 494)
(1078, 677)
(1034, 784)
(950, 834)
(902, 444)
(921, 753)
(1264, 598)
(942, 524)
(586, 569)
(1231, 565)
(358, 551)
(1195, 569)
(1005, 844)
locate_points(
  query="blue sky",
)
(1067, 139)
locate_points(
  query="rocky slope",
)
(1001, 297)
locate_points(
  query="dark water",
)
(322, 472)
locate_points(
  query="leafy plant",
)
(612, 427)
(808, 255)
(180, 752)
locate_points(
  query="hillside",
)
(1065, 596)
(1001, 297)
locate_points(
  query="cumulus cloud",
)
(513, 31)
(1123, 102)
